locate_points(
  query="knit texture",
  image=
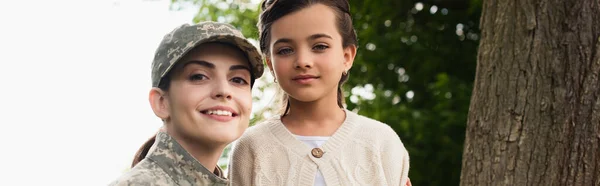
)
(362, 151)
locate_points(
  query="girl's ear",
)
(349, 54)
(159, 103)
(269, 64)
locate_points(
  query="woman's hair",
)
(143, 151)
(272, 10)
(164, 85)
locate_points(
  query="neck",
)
(207, 155)
(314, 111)
(321, 117)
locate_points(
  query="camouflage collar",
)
(178, 163)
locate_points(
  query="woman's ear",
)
(159, 103)
(349, 54)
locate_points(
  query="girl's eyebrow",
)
(309, 38)
(317, 36)
(283, 40)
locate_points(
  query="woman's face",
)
(209, 99)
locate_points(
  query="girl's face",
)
(209, 99)
(307, 56)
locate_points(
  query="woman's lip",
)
(219, 117)
(221, 108)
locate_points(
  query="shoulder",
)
(376, 132)
(145, 173)
(260, 132)
(253, 143)
(372, 125)
(261, 127)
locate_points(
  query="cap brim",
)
(253, 55)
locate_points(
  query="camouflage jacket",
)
(167, 163)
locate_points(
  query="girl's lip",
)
(305, 80)
(300, 77)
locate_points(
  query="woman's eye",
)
(320, 47)
(285, 51)
(198, 77)
(239, 80)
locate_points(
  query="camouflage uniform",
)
(167, 162)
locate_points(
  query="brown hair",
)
(164, 85)
(272, 10)
(143, 151)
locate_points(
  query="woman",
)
(201, 89)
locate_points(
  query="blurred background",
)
(76, 76)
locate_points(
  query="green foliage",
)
(419, 53)
(418, 65)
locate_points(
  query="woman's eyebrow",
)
(239, 67)
(202, 63)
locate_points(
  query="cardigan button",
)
(317, 152)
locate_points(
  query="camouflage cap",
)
(186, 37)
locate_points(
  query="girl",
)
(309, 46)
(201, 83)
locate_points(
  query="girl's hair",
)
(272, 10)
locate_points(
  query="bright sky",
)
(74, 80)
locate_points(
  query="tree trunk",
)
(534, 117)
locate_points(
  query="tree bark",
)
(534, 117)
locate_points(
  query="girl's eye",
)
(320, 47)
(285, 51)
(198, 77)
(239, 80)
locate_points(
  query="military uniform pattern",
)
(185, 37)
(167, 163)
